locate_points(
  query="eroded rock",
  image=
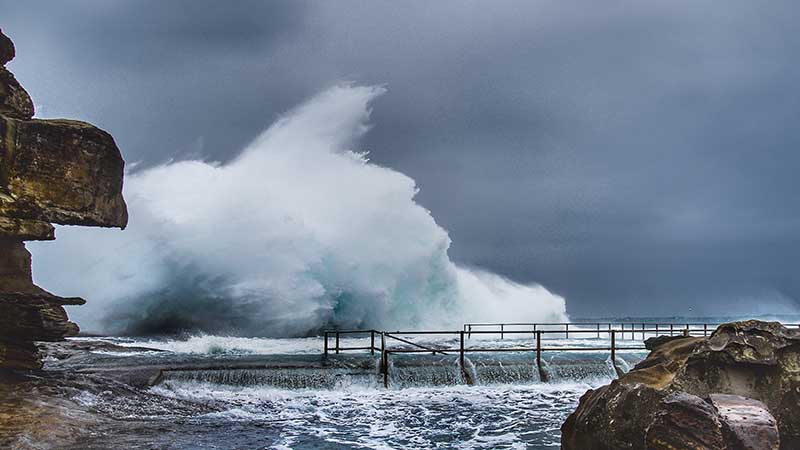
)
(685, 421)
(747, 423)
(6, 49)
(26, 230)
(61, 171)
(754, 360)
(14, 100)
(58, 171)
(19, 355)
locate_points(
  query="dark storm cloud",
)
(636, 157)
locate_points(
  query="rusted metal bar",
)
(405, 341)
(542, 373)
(386, 371)
(613, 344)
(384, 361)
(461, 354)
(539, 349)
(527, 349)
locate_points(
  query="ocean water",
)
(259, 393)
(284, 398)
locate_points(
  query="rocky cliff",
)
(737, 389)
(51, 171)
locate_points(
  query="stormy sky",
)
(635, 157)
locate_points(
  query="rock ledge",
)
(51, 171)
(737, 389)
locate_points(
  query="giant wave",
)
(299, 232)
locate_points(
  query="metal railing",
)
(626, 329)
(539, 331)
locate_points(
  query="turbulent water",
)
(282, 397)
(298, 232)
(218, 392)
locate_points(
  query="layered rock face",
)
(738, 389)
(51, 171)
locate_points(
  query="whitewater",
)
(279, 394)
(299, 232)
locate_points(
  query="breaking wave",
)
(299, 232)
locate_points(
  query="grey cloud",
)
(636, 157)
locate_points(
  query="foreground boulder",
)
(51, 171)
(737, 389)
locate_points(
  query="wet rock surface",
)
(737, 389)
(74, 403)
(685, 421)
(51, 171)
(747, 423)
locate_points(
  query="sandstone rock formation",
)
(738, 389)
(51, 171)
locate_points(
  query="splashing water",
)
(298, 232)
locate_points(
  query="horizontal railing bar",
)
(571, 331)
(389, 335)
(357, 348)
(521, 349)
(350, 331)
(520, 324)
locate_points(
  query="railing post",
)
(643, 336)
(539, 349)
(705, 329)
(686, 332)
(469, 334)
(384, 361)
(326, 345)
(502, 328)
(598, 330)
(656, 330)
(461, 354)
(337, 342)
(566, 331)
(670, 329)
(386, 371)
(613, 347)
(372, 342)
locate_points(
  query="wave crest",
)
(297, 233)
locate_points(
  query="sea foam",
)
(298, 232)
